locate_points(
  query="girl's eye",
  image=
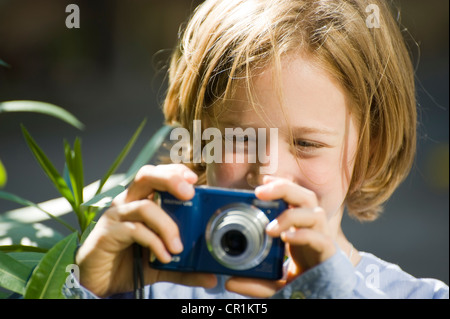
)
(306, 147)
(302, 143)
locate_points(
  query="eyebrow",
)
(299, 130)
(296, 130)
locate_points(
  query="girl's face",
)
(318, 155)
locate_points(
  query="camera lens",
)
(236, 237)
(234, 242)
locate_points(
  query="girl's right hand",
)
(106, 257)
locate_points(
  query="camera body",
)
(223, 232)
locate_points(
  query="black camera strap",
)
(138, 274)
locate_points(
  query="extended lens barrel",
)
(236, 237)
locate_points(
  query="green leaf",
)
(75, 169)
(90, 213)
(25, 202)
(3, 176)
(21, 248)
(6, 295)
(121, 156)
(13, 274)
(78, 167)
(43, 108)
(29, 259)
(17, 199)
(66, 177)
(87, 232)
(48, 168)
(104, 199)
(49, 276)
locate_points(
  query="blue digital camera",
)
(223, 232)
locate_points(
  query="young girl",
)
(335, 80)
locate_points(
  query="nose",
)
(279, 162)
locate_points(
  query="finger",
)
(148, 239)
(174, 178)
(320, 246)
(279, 188)
(313, 218)
(258, 288)
(154, 218)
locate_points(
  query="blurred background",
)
(110, 73)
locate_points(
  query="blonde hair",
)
(226, 39)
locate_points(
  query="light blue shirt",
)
(336, 278)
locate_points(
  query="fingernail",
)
(165, 258)
(185, 188)
(177, 245)
(273, 225)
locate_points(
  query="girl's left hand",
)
(303, 227)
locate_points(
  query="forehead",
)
(298, 93)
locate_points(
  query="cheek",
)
(327, 178)
(322, 171)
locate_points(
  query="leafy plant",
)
(36, 267)
(18, 261)
(46, 278)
